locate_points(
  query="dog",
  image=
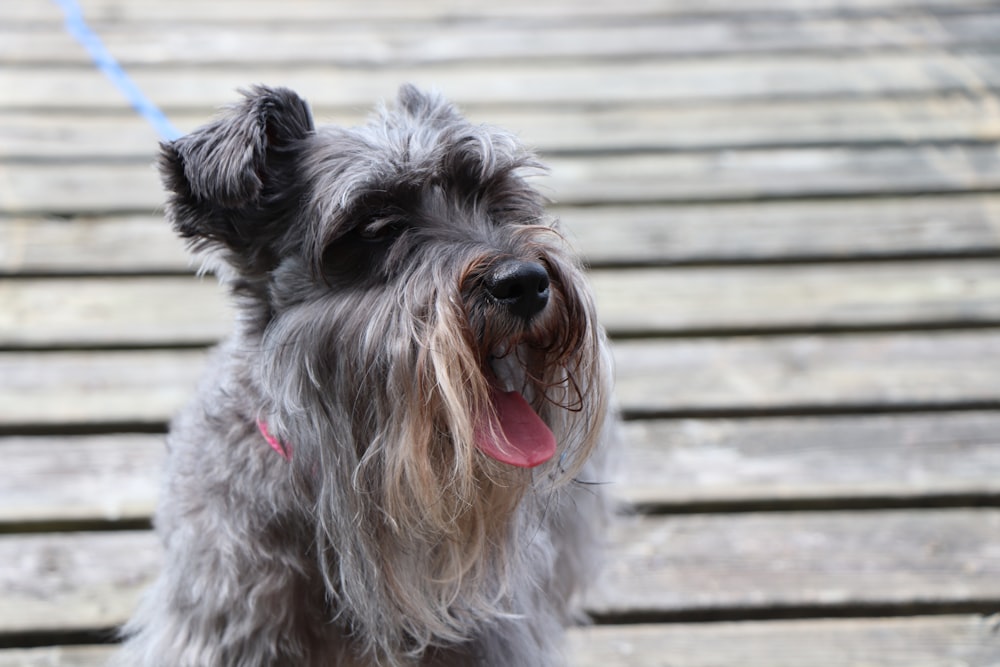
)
(398, 456)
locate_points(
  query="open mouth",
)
(512, 432)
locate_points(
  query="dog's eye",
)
(381, 230)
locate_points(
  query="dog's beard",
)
(388, 414)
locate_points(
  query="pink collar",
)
(276, 445)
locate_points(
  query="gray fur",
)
(366, 342)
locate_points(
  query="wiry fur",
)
(366, 342)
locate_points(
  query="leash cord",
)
(106, 63)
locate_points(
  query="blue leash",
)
(104, 61)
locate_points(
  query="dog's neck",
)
(285, 450)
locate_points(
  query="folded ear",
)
(225, 174)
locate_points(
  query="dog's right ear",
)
(224, 174)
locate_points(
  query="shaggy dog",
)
(395, 458)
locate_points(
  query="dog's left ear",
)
(222, 173)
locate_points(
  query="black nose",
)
(521, 287)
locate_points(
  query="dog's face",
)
(417, 324)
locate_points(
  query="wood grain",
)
(807, 373)
(97, 245)
(885, 458)
(73, 581)
(91, 388)
(774, 231)
(56, 656)
(773, 174)
(128, 311)
(722, 299)
(701, 562)
(79, 478)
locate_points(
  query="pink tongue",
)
(519, 437)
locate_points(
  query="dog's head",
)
(423, 335)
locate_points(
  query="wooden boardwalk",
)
(791, 209)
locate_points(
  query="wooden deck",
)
(791, 209)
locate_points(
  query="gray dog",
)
(395, 458)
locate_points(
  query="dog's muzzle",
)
(522, 288)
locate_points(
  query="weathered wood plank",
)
(808, 372)
(129, 311)
(925, 226)
(701, 562)
(79, 189)
(848, 372)
(80, 478)
(56, 656)
(676, 464)
(660, 564)
(335, 43)
(768, 174)
(71, 581)
(593, 128)
(767, 231)
(936, 641)
(181, 310)
(637, 178)
(87, 388)
(139, 243)
(113, 11)
(571, 82)
(656, 301)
